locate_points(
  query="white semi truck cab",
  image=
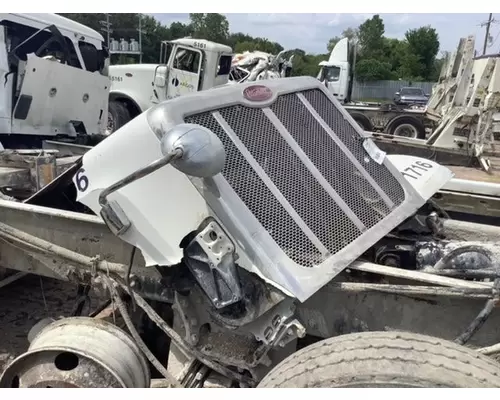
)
(336, 72)
(186, 66)
(54, 81)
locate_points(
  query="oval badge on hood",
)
(257, 93)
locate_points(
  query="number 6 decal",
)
(82, 182)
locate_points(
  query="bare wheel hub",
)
(79, 352)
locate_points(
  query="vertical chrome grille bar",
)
(269, 184)
(311, 167)
(347, 152)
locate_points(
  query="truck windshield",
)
(224, 65)
(332, 74)
(412, 91)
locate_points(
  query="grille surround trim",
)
(257, 249)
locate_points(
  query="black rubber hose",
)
(100, 308)
(127, 276)
(176, 338)
(82, 299)
(126, 318)
(478, 321)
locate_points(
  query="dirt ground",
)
(25, 302)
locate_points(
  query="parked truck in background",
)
(337, 74)
(186, 65)
(54, 80)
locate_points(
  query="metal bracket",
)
(215, 242)
(278, 326)
(210, 257)
(115, 218)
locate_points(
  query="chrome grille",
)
(312, 191)
(259, 199)
(346, 132)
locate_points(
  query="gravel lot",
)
(25, 302)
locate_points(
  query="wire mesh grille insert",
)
(296, 183)
(330, 160)
(260, 201)
(346, 132)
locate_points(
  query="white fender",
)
(426, 176)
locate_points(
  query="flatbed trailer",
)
(391, 119)
(473, 192)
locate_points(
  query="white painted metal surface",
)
(473, 187)
(163, 207)
(134, 81)
(60, 94)
(67, 26)
(426, 176)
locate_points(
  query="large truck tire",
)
(406, 126)
(384, 359)
(118, 116)
(362, 120)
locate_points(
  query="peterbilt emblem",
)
(257, 93)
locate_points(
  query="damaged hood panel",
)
(304, 192)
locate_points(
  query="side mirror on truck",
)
(190, 148)
(203, 153)
(159, 81)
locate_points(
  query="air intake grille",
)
(347, 134)
(300, 168)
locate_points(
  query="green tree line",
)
(382, 58)
(378, 57)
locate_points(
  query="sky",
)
(311, 32)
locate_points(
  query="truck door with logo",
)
(184, 71)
